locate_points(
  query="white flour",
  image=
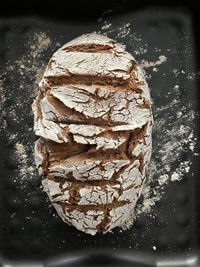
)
(29, 68)
(148, 64)
(120, 32)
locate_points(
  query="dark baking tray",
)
(45, 240)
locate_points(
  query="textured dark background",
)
(175, 229)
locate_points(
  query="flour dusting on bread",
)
(93, 116)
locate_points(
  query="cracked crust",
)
(93, 117)
(93, 220)
(117, 63)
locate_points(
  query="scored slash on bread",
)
(93, 116)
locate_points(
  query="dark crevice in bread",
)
(128, 145)
(136, 137)
(89, 48)
(74, 195)
(85, 79)
(141, 159)
(83, 184)
(102, 225)
(55, 152)
(130, 84)
(59, 152)
(85, 208)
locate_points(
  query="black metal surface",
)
(45, 240)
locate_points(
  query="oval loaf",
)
(93, 118)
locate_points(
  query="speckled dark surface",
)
(173, 229)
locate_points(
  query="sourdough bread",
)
(94, 121)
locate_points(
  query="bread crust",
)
(93, 116)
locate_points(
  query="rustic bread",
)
(93, 116)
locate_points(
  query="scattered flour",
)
(106, 26)
(190, 75)
(126, 30)
(175, 176)
(25, 170)
(163, 179)
(128, 223)
(155, 69)
(21, 151)
(2, 96)
(27, 70)
(149, 64)
(2, 102)
(30, 63)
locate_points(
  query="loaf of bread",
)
(93, 117)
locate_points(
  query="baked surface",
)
(93, 116)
